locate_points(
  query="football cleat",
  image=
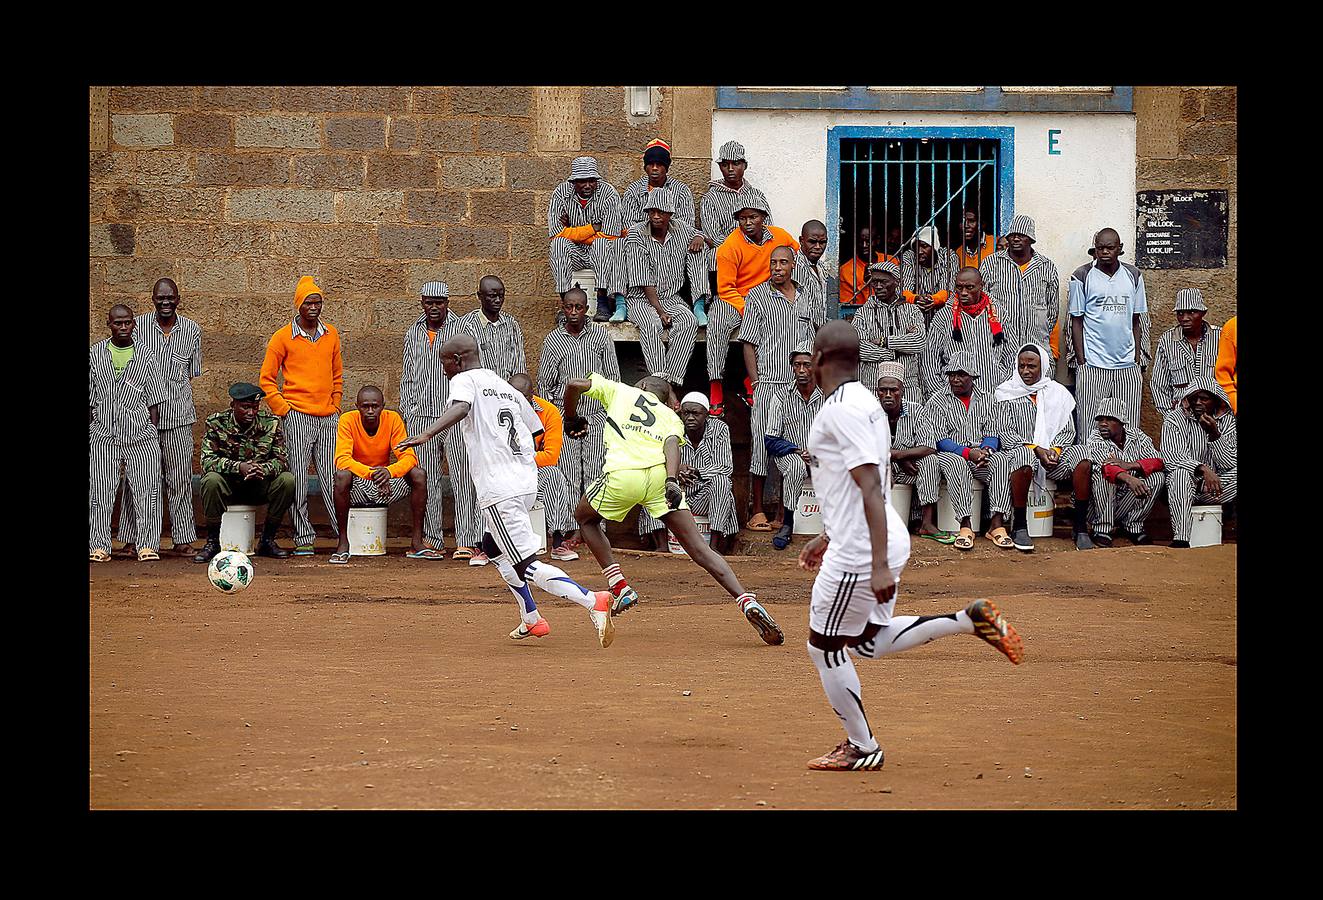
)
(623, 601)
(848, 758)
(993, 628)
(762, 622)
(601, 616)
(538, 629)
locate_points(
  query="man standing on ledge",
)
(585, 222)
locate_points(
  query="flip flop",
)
(303, 550)
(759, 523)
(941, 537)
(999, 537)
(425, 553)
(462, 553)
(147, 554)
(338, 559)
(964, 540)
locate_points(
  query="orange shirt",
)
(975, 259)
(314, 373)
(854, 288)
(548, 444)
(360, 452)
(743, 265)
(1226, 361)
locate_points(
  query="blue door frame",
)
(1005, 178)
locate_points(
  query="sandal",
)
(184, 550)
(304, 550)
(964, 540)
(147, 554)
(941, 537)
(425, 553)
(759, 523)
(718, 410)
(1102, 540)
(339, 559)
(462, 553)
(1001, 538)
(98, 555)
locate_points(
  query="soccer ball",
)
(230, 571)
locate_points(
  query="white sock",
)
(905, 632)
(841, 682)
(558, 584)
(523, 596)
(745, 599)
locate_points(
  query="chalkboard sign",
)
(1181, 230)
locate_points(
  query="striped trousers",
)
(553, 491)
(793, 475)
(959, 475)
(722, 320)
(1093, 384)
(362, 492)
(674, 361)
(177, 474)
(1185, 489)
(429, 458)
(762, 405)
(1117, 503)
(714, 498)
(1064, 471)
(311, 439)
(468, 522)
(1003, 463)
(603, 256)
(142, 464)
(582, 459)
(927, 484)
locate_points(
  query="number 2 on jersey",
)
(506, 418)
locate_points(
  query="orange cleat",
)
(538, 629)
(993, 628)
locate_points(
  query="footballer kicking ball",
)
(230, 571)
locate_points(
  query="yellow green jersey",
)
(637, 425)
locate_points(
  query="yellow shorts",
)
(614, 494)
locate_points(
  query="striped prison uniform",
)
(566, 357)
(717, 210)
(890, 332)
(771, 325)
(812, 306)
(424, 393)
(938, 280)
(500, 343)
(600, 251)
(363, 492)
(121, 434)
(739, 271)
(308, 438)
(553, 491)
(631, 203)
(790, 417)
(971, 427)
(1122, 295)
(912, 428)
(995, 362)
(1016, 421)
(663, 265)
(712, 495)
(1185, 447)
(1116, 503)
(1176, 365)
(179, 357)
(1030, 300)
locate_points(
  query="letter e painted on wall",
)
(1052, 142)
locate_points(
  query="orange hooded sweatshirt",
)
(314, 372)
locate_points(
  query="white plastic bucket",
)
(946, 520)
(1039, 514)
(808, 513)
(1207, 530)
(902, 495)
(239, 528)
(704, 531)
(367, 531)
(538, 517)
(587, 279)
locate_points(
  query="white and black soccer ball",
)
(230, 571)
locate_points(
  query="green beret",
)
(245, 391)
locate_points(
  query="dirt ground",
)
(391, 683)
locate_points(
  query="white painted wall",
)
(1091, 185)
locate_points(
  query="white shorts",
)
(508, 523)
(843, 604)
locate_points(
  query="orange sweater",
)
(553, 433)
(360, 452)
(314, 373)
(1226, 361)
(742, 266)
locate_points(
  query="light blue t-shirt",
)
(1108, 306)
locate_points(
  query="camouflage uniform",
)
(224, 447)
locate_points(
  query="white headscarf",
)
(1055, 404)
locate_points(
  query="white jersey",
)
(852, 430)
(498, 435)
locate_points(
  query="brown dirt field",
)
(391, 683)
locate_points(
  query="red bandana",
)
(985, 302)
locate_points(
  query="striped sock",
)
(555, 582)
(840, 682)
(523, 596)
(614, 579)
(744, 600)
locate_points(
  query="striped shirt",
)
(812, 306)
(1176, 365)
(718, 211)
(771, 323)
(424, 387)
(1029, 301)
(566, 357)
(663, 264)
(885, 336)
(1017, 419)
(790, 416)
(950, 419)
(632, 201)
(1137, 446)
(603, 206)
(179, 357)
(995, 362)
(713, 455)
(912, 428)
(120, 403)
(919, 279)
(500, 343)
(1185, 444)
